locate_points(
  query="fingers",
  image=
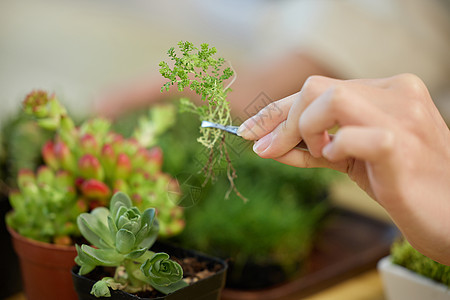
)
(275, 113)
(370, 144)
(303, 159)
(282, 134)
(342, 105)
(267, 118)
(322, 104)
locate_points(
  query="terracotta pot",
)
(45, 268)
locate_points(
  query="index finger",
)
(266, 119)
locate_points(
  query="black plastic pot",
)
(205, 289)
(10, 276)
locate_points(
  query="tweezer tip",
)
(207, 124)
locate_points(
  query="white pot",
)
(403, 284)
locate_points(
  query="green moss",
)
(402, 253)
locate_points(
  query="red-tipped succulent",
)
(89, 167)
(90, 162)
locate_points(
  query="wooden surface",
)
(366, 286)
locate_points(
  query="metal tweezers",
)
(233, 129)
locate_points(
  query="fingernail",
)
(245, 128)
(263, 143)
(326, 151)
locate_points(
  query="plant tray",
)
(349, 244)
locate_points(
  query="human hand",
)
(391, 141)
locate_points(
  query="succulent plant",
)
(103, 162)
(20, 142)
(122, 236)
(45, 206)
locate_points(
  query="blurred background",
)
(102, 57)
(79, 49)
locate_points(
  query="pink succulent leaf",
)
(120, 185)
(89, 144)
(25, 177)
(46, 109)
(123, 166)
(68, 132)
(45, 176)
(93, 188)
(49, 155)
(65, 158)
(108, 160)
(64, 180)
(90, 167)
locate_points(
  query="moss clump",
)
(403, 254)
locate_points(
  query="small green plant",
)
(45, 206)
(403, 254)
(122, 237)
(279, 223)
(101, 162)
(21, 140)
(83, 166)
(198, 70)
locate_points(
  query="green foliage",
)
(102, 161)
(45, 208)
(403, 254)
(277, 225)
(263, 230)
(207, 71)
(159, 120)
(199, 71)
(21, 140)
(122, 237)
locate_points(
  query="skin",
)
(391, 140)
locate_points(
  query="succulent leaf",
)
(125, 240)
(101, 288)
(86, 263)
(119, 200)
(103, 257)
(49, 156)
(148, 239)
(161, 270)
(94, 226)
(89, 167)
(136, 253)
(123, 236)
(112, 228)
(94, 189)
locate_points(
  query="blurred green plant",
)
(403, 254)
(100, 162)
(278, 224)
(21, 140)
(45, 206)
(122, 237)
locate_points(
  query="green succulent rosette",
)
(161, 270)
(121, 237)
